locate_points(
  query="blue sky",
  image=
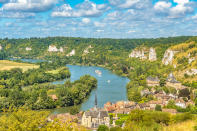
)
(98, 18)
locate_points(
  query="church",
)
(95, 117)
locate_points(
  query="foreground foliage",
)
(28, 120)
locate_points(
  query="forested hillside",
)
(135, 58)
(38, 47)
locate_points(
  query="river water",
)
(110, 87)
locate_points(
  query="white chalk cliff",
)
(28, 48)
(138, 54)
(168, 57)
(141, 54)
(1, 47)
(72, 53)
(53, 48)
(152, 54)
(86, 51)
(191, 72)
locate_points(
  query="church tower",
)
(95, 102)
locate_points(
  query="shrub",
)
(158, 108)
(103, 128)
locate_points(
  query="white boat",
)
(98, 72)
(108, 81)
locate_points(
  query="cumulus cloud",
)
(182, 8)
(126, 4)
(162, 6)
(85, 9)
(86, 20)
(29, 5)
(18, 15)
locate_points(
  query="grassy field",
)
(8, 65)
(54, 71)
(184, 126)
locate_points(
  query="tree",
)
(103, 128)
(158, 108)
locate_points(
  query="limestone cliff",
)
(138, 53)
(144, 53)
(28, 48)
(191, 72)
(72, 53)
(152, 54)
(168, 57)
(87, 50)
(53, 48)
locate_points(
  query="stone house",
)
(153, 104)
(145, 92)
(172, 82)
(95, 117)
(144, 106)
(152, 81)
(180, 103)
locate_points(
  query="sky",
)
(98, 18)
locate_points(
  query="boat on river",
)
(108, 81)
(98, 72)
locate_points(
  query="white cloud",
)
(18, 15)
(29, 5)
(85, 9)
(126, 4)
(99, 30)
(86, 20)
(131, 31)
(181, 1)
(162, 6)
(99, 24)
(182, 8)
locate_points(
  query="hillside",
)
(178, 54)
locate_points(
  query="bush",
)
(103, 128)
(116, 128)
(158, 108)
(182, 117)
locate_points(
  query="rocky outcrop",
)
(190, 60)
(86, 51)
(72, 53)
(152, 54)
(28, 48)
(139, 53)
(53, 48)
(191, 72)
(168, 57)
(61, 49)
(142, 54)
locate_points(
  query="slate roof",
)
(172, 79)
(97, 113)
(153, 79)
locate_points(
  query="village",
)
(94, 117)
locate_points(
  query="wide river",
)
(110, 87)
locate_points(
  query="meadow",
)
(8, 65)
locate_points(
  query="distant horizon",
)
(95, 37)
(98, 18)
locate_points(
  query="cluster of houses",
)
(94, 117)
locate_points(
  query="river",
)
(110, 87)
